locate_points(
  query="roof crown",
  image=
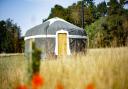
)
(56, 19)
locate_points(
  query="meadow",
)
(103, 68)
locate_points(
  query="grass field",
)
(11, 70)
(105, 68)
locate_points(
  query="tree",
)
(9, 37)
(102, 9)
(58, 11)
(75, 13)
(117, 7)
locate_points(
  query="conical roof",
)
(52, 25)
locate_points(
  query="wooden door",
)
(62, 44)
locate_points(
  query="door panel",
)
(62, 44)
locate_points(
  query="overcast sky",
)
(28, 13)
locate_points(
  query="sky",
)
(29, 13)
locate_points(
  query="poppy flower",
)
(90, 86)
(37, 81)
(59, 86)
(21, 87)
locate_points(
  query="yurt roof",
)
(52, 25)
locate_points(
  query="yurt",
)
(56, 37)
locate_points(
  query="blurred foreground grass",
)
(106, 68)
(12, 68)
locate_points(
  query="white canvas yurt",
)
(57, 37)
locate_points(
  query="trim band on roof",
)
(54, 36)
(40, 36)
(78, 36)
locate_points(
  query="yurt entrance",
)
(62, 43)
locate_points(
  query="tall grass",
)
(105, 68)
(12, 68)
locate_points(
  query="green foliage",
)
(35, 59)
(74, 14)
(58, 11)
(116, 7)
(101, 9)
(94, 33)
(9, 37)
(108, 31)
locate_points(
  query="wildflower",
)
(90, 86)
(21, 87)
(59, 86)
(37, 81)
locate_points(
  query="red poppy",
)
(59, 86)
(90, 86)
(21, 87)
(37, 81)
